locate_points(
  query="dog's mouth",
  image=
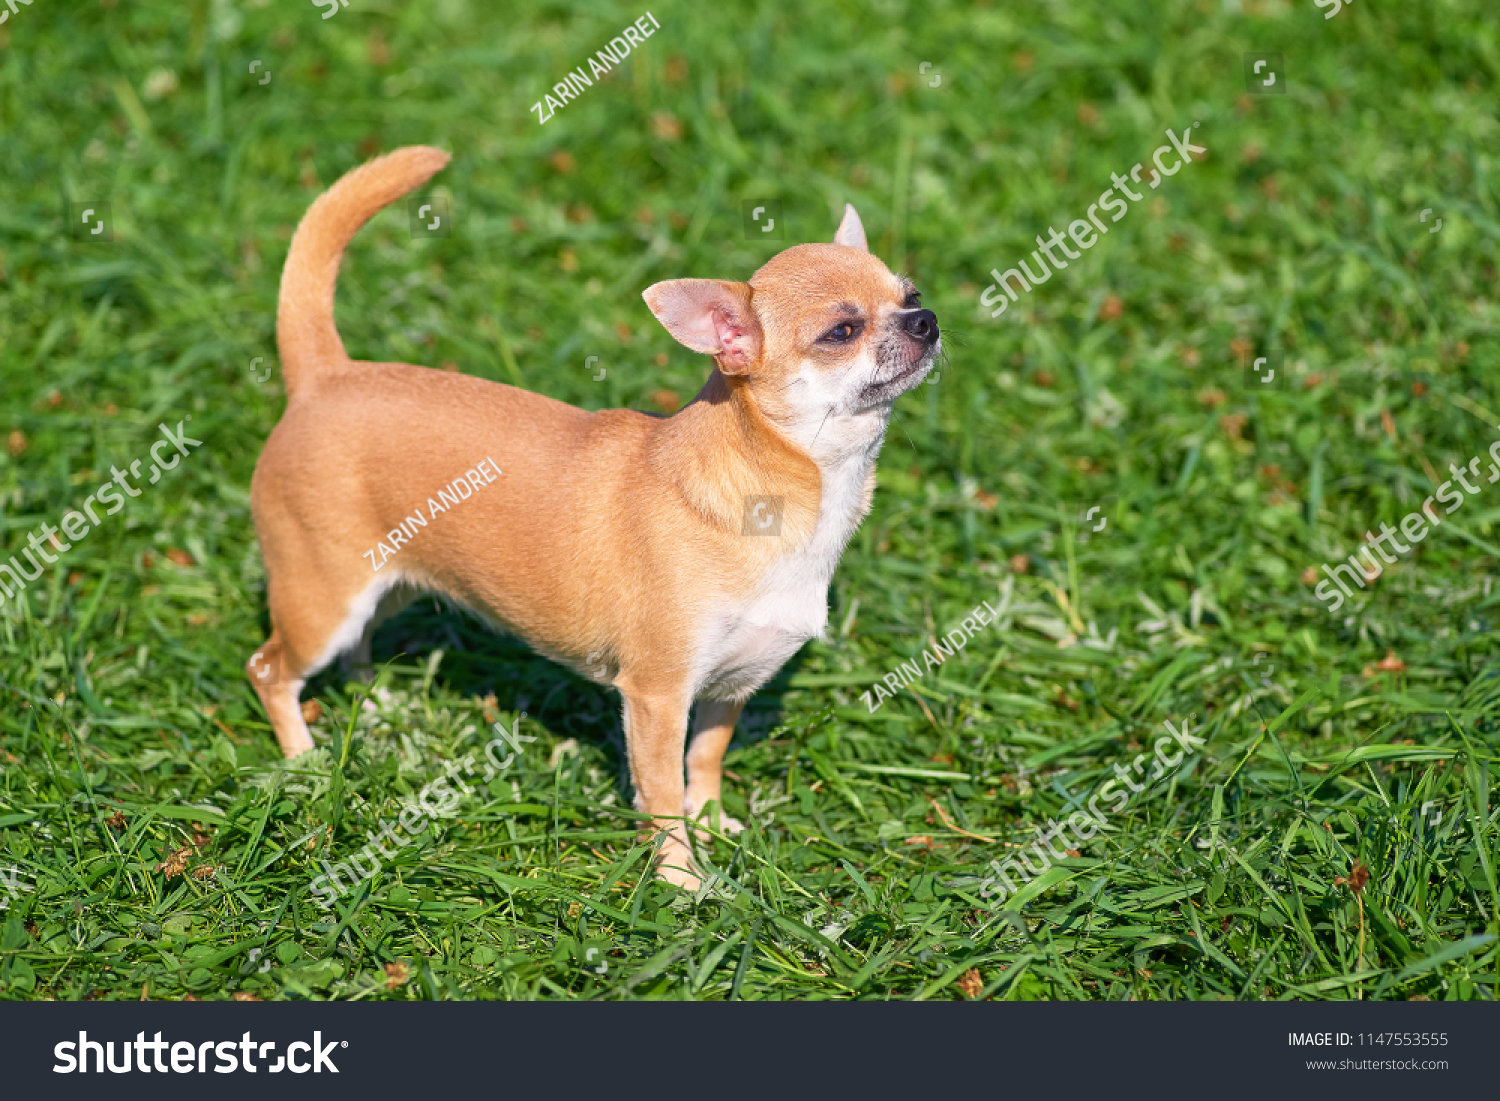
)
(889, 388)
(920, 366)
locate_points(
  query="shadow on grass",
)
(478, 662)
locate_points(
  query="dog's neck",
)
(731, 444)
(836, 440)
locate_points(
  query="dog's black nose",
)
(921, 324)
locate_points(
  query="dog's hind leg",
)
(308, 629)
(272, 674)
(358, 664)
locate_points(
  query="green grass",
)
(1117, 383)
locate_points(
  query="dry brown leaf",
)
(1391, 663)
(1358, 876)
(666, 126)
(1233, 424)
(176, 862)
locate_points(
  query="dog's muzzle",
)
(921, 325)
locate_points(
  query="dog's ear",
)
(851, 230)
(710, 316)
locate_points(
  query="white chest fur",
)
(743, 645)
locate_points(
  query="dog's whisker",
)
(821, 423)
(788, 386)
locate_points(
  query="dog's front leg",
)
(655, 734)
(712, 729)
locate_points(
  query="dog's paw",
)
(730, 825)
(726, 823)
(675, 865)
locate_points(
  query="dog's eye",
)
(842, 333)
(913, 301)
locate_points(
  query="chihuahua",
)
(681, 560)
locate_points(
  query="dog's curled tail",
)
(305, 333)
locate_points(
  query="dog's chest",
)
(743, 644)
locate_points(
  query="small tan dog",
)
(681, 559)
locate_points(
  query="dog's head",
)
(819, 331)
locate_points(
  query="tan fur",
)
(609, 539)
